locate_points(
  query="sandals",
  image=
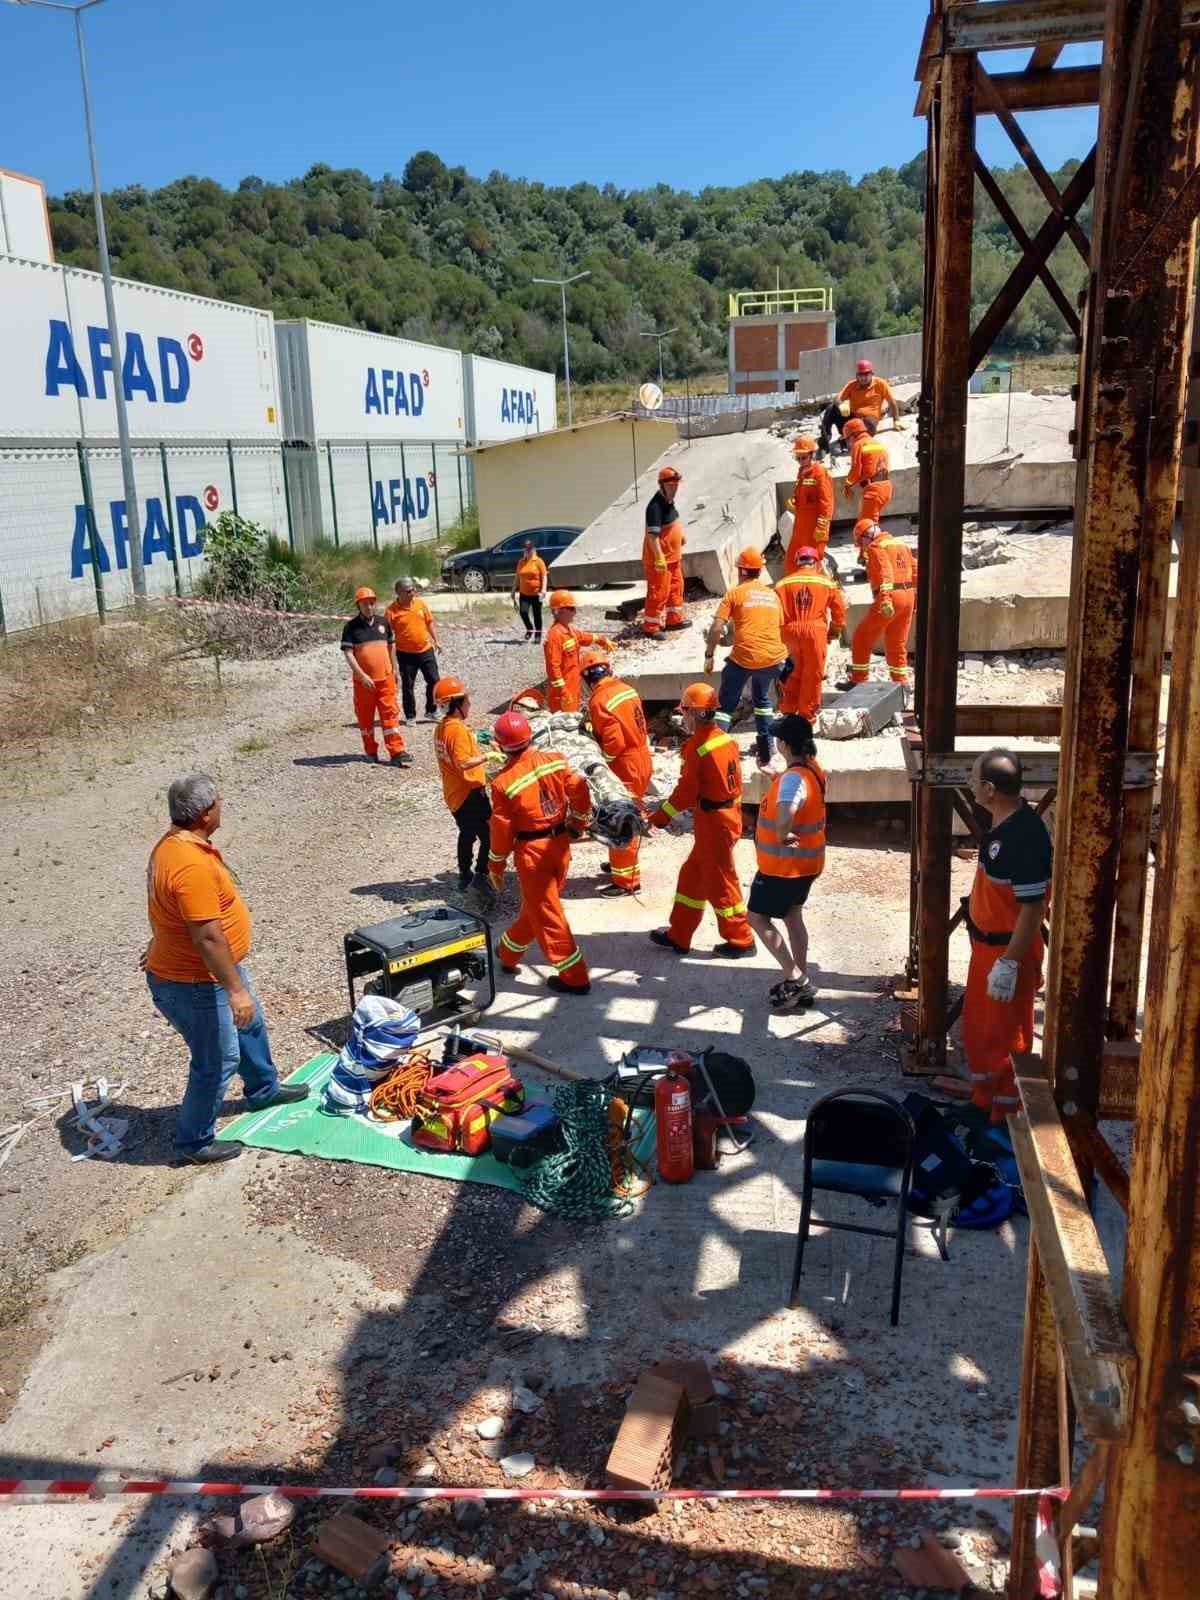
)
(792, 994)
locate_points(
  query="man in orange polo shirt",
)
(415, 641)
(194, 967)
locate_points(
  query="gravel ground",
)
(323, 841)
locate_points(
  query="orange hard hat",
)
(512, 731)
(863, 368)
(670, 475)
(562, 600)
(364, 593)
(806, 553)
(590, 658)
(803, 445)
(749, 560)
(854, 429)
(528, 700)
(448, 689)
(866, 532)
(698, 697)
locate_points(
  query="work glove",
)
(1002, 981)
(886, 609)
(847, 490)
(607, 644)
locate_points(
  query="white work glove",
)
(1002, 981)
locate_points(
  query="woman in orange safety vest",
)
(790, 843)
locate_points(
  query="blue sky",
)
(629, 94)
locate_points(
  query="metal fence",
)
(64, 537)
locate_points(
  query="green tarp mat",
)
(304, 1129)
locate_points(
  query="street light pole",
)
(665, 334)
(133, 521)
(561, 285)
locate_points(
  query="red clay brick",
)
(704, 1408)
(643, 1453)
(353, 1548)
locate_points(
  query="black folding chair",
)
(857, 1141)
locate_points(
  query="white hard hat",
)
(650, 397)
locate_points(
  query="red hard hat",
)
(669, 475)
(864, 367)
(512, 731)
(854, 429)
(562, 600)
(749, 560)
(448, 689)
(807, 553)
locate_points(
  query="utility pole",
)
(561, 285)
(660, 335)
(133, 521)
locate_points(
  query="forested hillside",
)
(439, 255)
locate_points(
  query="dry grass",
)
(76, 677)
(599, 399)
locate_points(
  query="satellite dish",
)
(650, 397)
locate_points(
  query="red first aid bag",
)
(456, 1109)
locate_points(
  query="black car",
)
(477, 570)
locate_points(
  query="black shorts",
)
(775, 897)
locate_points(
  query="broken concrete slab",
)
(857, 713)
(194, 1575)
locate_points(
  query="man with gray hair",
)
(200, 937)
(414, 636)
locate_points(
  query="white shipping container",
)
(24, 220)
(342, 383)
(51, 558)
(193, 368)
(508, 402)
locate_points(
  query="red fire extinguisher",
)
(673, 1127)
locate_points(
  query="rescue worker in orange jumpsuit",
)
(710, 787)
(869, 469)
(790, 844)
(561, 651)
(1004, 918)
(865, 397)
(367, 647)
(617, 721)
(662, 559)
(814, 611)
(892, 574)
(464, 781)
(811, 503)
(538, 806)
(758, 650)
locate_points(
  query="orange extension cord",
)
(395, 1099)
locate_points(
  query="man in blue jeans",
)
(193, 965)
(756, 615)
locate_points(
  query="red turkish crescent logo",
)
(195, 346)
(211, 497)
(425, 377)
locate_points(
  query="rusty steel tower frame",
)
(1112, 1363)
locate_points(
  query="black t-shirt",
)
(660, 512)
(1018, 855)
(366, 630)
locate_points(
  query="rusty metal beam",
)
(1119, 1080)
(1120, 382)
(1163, 237)
(941, 566)
(1037, 1428)
(1045, 56)
(1045, 240)
(1151, 1532)
(1095, 1344)
(1046, 91)
(1008, 722)
(1014, 225)
(1029, 156)
(1094, 1149)
(1173, 279)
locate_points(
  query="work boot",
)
(483, 888)
(843, 684)
(676, 627)
(209, 1154)
(402, 760)
(285, 1095)
(606, 867)
(537, 638)
(561, 987)
(662, 937)
(733, 952)
(465, 880)
(614, 891)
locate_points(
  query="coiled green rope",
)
(576, 1183)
